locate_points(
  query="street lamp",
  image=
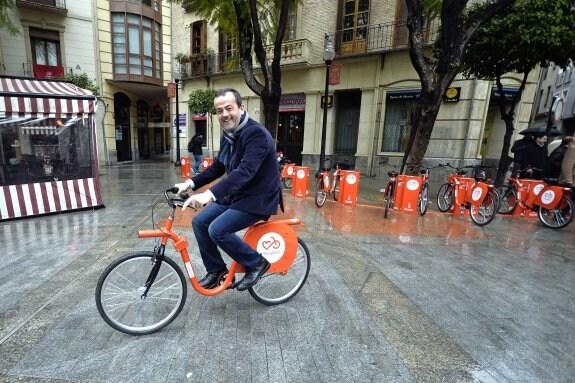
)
(178, 162)
(328, 55)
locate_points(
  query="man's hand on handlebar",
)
(198, 200)
(182, 187)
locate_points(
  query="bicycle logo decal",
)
(326, 180)
(300, 174)
(290, 170)
(548, 196)
(350, 179)
(476, 194)
(412, 184)
(537, 188)
(272, 246)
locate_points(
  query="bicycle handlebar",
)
(177, 200)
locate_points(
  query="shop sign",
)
(401, 95)
(334, 74)
(452, 94)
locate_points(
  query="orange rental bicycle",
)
(390, 190)
(551, 201)
(324, 187)
(474, 194)
(144, 291)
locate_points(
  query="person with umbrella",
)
(534, 158)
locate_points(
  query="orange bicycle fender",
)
(476, 194)
(550, 197)
(276, 241)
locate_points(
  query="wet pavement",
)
(403, 299)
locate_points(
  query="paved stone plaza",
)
(403, 299)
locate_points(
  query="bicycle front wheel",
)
(484, 213)
(559, 217)
(445, 197)
(119, 294)
(287, 181)
(276, 288)
(320, 194)
(336, 189)
(507, 199)
(423, 202)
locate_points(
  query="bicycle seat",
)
(461, 172)
(392, 173)
(422, 171)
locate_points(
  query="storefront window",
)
(399, 111)
(38, 149)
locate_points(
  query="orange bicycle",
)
(323, 185)
(474, 194)
(144, 291)
(551, 201)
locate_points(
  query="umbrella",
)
(537, 131)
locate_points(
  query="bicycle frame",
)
(276, 240)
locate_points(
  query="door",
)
(122, 122)
(290, 135)
(347, 123)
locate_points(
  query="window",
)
(227, 52)
(290, 33)
(199, 30)
(136, 45)
(45, 47)
(354, 25)
(398, 117)
(547, 98)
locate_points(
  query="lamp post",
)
(328, 55)
(178, 162)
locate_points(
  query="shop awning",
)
(31, 98)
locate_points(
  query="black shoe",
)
(212, 280)
(253, 276)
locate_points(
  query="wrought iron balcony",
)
(293, 52)
(379, 38)
(58, 6)
(209, 64)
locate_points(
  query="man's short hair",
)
(567, 140)
(237, 95)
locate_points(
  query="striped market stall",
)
(48, 156)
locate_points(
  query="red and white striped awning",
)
(47, 98)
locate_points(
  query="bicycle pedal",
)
(233, 285)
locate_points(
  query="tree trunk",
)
(426, 114)
(507, 116)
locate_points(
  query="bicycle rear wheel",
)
(559, 217)
(388, 201)
(119, 294)
(423, 202)
(336, 189)
(445, 197)
(276, 288)
(320, 194)
(507, 199)
(484, 213)
(287, 181)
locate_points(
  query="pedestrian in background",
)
(568, 166)
(534, 158)
(517, 150)
(195, 147)
(553, 167)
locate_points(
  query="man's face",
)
(541, 140)
(228, 111)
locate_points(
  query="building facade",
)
(374, 88)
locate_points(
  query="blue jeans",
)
(217, 225)
(198, 159)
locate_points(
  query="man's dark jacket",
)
(252, 183)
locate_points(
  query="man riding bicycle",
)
(250, 192)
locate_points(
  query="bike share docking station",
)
(349, 185)
(407, 193)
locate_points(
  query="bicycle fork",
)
(157, 261)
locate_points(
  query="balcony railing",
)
(27, 70)
(51, 5)
(381, 37)
(293, 52)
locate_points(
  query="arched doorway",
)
(122, 126)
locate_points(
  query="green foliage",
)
(5, 22)
(531, 33)
(202, 101)
(81, 81)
